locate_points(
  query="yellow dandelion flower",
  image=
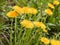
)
(39, 24)
(33, 11)
(27, 24)
(55, 42)
(49, 12)
(45, 40)
(12, 14)
(26, 10)
(56, 2)
(51, 5)
(44, 30)
(18, 9)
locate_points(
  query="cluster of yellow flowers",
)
(18, 10)
(51, 5)
(30, 24)
(25, 10)
(41, 25)
(52, 41)
(27, 24)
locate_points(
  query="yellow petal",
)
(12, 14)
(48, 11)
(27, 24)
(56, 2)
(51, 5)
(45, 40)
(18, 9)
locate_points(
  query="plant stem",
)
(15, 31)
(19, 36)
(11, 32)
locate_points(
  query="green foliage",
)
(24, 36)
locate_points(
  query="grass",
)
(13, 33)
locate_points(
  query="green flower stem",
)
(35, 35)
(10, 38)
(27, 33)
(32, 37)
(11, 32)
(19, 35)
(45, 19)
(38, 39)
(15, 31)
(22, 38)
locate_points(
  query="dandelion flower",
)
(49, 12)
(12, 14)
(44, 30)
(26, 10)
(55, 42)
(33, 11)
(45, 40)
(27, 24)
(18, 9)
(56, 2)
(51, 5)
(39, 24)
